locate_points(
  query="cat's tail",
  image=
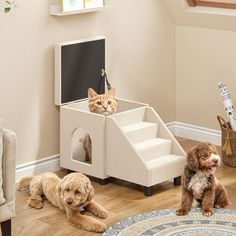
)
(24, 183)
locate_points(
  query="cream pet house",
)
(133, 144)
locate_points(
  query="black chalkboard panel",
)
(81, 66)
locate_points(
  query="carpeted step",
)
(153, 148)
(162, 168)
(140, 131)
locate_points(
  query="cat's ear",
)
(112, 92)
(91, 93)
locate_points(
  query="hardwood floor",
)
(120, 198)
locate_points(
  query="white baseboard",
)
(194, 132)
(49, 164)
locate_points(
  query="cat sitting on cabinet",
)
(104, 104)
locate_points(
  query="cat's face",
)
(104, 104)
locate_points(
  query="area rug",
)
(166, 223)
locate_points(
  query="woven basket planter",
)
(228, 143)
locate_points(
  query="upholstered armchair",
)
(7, 178)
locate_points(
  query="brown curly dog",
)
(71, 194)
(199, 183)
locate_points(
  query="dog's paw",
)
(181, 212)
(99, 227)
(102, 214)
(35, 203)
(208, 213)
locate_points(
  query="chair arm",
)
(8, 165)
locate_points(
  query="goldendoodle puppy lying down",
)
(72, 194)
(199, 183)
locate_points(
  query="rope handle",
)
(104, 75)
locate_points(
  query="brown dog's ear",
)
(59, 188)
(89, 190)
(192, 159)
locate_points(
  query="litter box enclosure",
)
(77, 116)
(132, 144)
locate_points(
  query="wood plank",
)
(192, 3)
(230, 4)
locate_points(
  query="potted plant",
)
(9, 5)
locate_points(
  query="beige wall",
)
(205, 54)
(204, 57)
(140, 39)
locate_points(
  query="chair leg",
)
(6, 228)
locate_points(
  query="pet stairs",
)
(141, 149)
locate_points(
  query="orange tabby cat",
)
(104, 104)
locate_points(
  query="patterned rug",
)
(166, 223)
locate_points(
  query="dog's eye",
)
(77, 192)
(204, 157)
(67, 189)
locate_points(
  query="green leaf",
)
(7, 9)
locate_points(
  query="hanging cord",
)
(104, 75)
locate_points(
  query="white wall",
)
(140, 39)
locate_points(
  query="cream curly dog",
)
(71, 194)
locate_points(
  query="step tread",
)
(137, 126)
(164, 160)
(150, 143)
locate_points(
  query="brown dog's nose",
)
(215, 160)
(69, 201)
